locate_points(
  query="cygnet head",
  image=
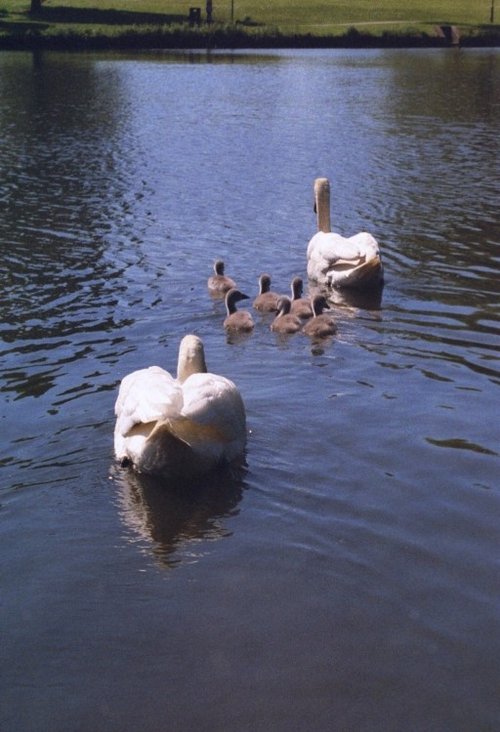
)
(318, 304)
(264, 283)
(232, 297)
(297, 288)
(284, 305)
(285, 322)
(191, 357)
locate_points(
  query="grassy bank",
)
(246, 24)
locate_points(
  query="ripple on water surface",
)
(353, 559)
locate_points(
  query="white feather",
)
(337, 261)
(184, 425)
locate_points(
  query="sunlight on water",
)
(349, 572)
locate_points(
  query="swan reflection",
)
(347, 303)
(369, 299)
(172, 519)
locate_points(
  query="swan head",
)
(297, 288)
(191, 357)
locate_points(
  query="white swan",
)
(183, 427)
(335, 261)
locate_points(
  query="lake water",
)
(347, 578)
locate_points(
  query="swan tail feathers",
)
(182, 448)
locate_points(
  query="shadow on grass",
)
(61, 14)
(62, 28)
(23, 26)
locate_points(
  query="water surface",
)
(347, 578)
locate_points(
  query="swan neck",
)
(322, 204)
(191, 358)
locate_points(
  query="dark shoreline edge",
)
(164, 38)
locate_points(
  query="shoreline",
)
(41, 35)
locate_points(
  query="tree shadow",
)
(62, 14)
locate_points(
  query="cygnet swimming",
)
(266, 301)
(300, 306)
(321, 324)
(237, 320)
(285, 321)
(219, 283)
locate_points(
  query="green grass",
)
(288, 22)
(324, 15)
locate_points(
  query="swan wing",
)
(365, 244)
(145, 396)
(214, 417)
(331, 246)
(333, 258)
(178, 429)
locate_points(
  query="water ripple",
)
(365, 525)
